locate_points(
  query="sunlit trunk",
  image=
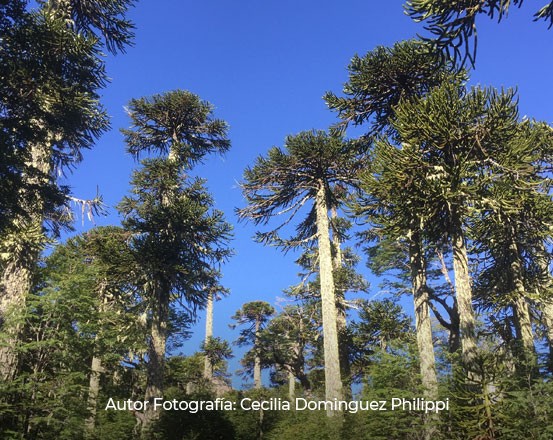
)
(208, 368)
(257, 359)
(422, 319)
(93, 392)
(521, 309)
(291, 385)
(333, 381)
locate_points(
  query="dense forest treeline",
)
(447, 194)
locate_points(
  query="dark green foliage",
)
(392, 373)
(177, 122)
(452, 23)
(217, 350)
(379, 323)
(81, 308)
(254, 315)
(287, 179)
(175, 243)
(96, 19)
(381, 79)
(48, 97)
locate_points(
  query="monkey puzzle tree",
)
(382, 78)
(178, 237)
(510, 230)
(451, 136)
(378, 83)
(52, 69)
(306, 172)
(254, 315)
(285, 342)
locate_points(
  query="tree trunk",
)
(22, 244)
(422, 318)
(257, 361)
(208, 368)
(156, 357)
(423, 329)
(545, 298)
(463, 292)
(291, 385)
(521, 309)
(333, 381)
(341, 310)
(93, 392)
(547, 313)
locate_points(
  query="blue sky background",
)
(265, 65)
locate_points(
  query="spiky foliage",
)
(178, 123)
(382, 78)
(452, 24)
(178, 238)
(253, 316)
(308, 172)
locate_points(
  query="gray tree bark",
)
(423, 329)
(156, 358)
(463, 292)
(257, 360)
(521, 308)
(22, 246)
(333, 381)
(208, 368)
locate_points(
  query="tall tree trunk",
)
(96, 369)
(208, 368)
(93, 392)
(463, 292)
(521, 309)
(333, 381)
(422, 318)
(341, 320)
(156, 357)
(257, 360)
(423, 329)
(291, 385)
(453, 325)
(22, 245)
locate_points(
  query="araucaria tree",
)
(177, 236)
(308, 171)
(254, 315)
(378, 83)
(51, 72)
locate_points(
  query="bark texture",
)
(423, 327)
(341, 310)
(422, 319)
(156, 358)
(463, 292)
(93, 392)
(21, 247)
(521, 308)
(257, 360)
(333, 381)
(208, 368)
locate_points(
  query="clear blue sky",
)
(265, 66)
